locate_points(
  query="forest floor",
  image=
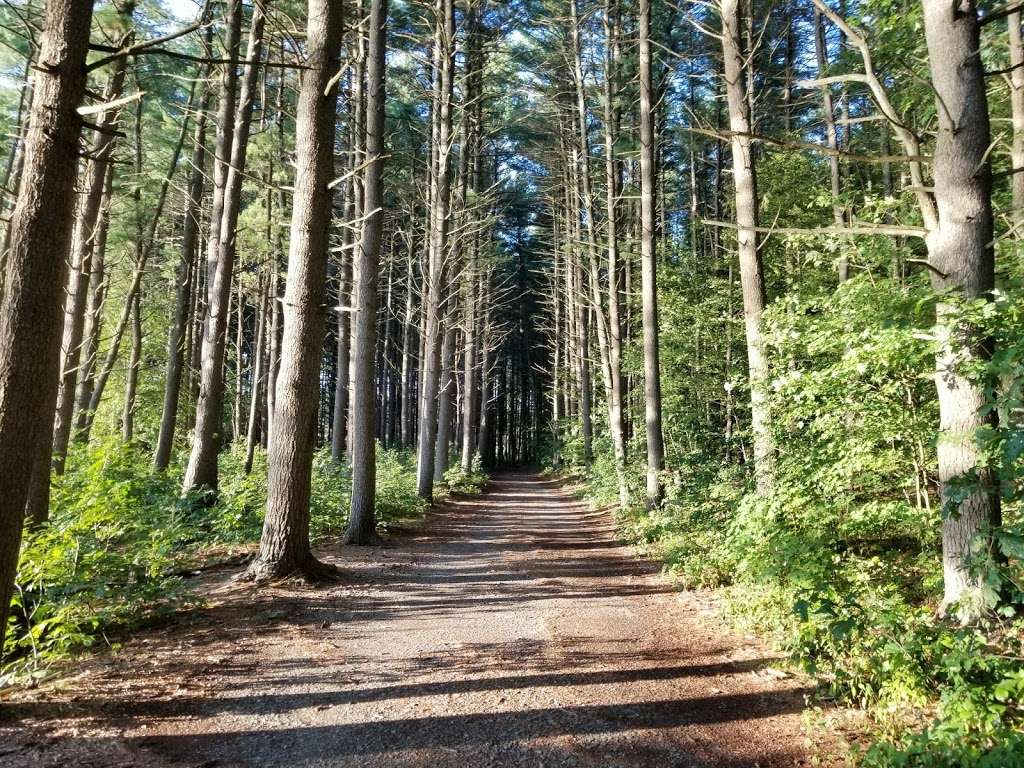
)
(512, 628)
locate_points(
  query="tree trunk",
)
(232, 144)
(961, 255)
(84, 241)
(444, 54)
(648, 268)
(185, 281)
(831, 136)
(36, 269)
(612, 183)
(1013, 22)
(284, 545)
(362, 523)
(132, 374)
(751, 270)
(258, 374)
(94, 314)
(446, 400)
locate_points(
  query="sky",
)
(186, 10)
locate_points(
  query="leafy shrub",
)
(119, 535)
(841, 562)
(474, 481)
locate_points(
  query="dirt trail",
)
(512, 629)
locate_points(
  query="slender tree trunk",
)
(444, 54)
(232, 144)
(132, 374)
(258, 375)
(611, 167)
(84, 241)
(648, 268)
(142, 257)
(446, 400)
(36, 270)
(284, 545)
(339, 430)
(751, 270)
(362, 524)
(94, 313)
(963, 267)
(408, 414)
(1013, 22)
(185, 285)
(831, 136)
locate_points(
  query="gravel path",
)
(510, 629)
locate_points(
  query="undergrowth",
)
(841, 563)
(120, 537)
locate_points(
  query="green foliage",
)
(121, 536)
(463, 482)
(841, 562)
(106, 558)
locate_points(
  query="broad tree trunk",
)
(284, 545)
(963, 267)
(36, 270)
(751, 270)
(362, 523)
(648, 268)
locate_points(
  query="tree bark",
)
(101, 149)
(961, 254)
(232, 145)
(185, 280)
(36, 269)
(648, 268)
(751, 269)
(1013, 22)
(362, 523)
(258, 375)
(444, 55)
(284, 545)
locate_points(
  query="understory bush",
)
(841, 562)
(458, 481)
(120, 537)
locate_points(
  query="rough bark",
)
(284, 546)
(961, 254)
(362, 523)
(648, 268)
(751, 269)
(232, 141)
(36, 269)
(444, 55)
